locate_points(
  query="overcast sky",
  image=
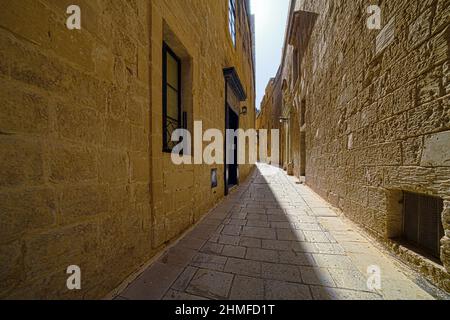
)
(270, 16)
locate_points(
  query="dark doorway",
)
(232, 168)
(234, 95)
(303, 139)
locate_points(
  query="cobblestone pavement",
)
(272, 239)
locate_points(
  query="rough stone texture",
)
(294, 270)
(83, 177)
(376, 123)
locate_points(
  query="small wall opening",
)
(422, 223)
(415, 222)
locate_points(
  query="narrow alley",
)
(262, 150)
(273, 239)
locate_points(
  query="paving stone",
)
(276, 211)
(153, 283)
(212, 248)
(230, 240)
(334, 223)
(250, 242)
(388, 270)
(208, 261)
(218, 215)
(296, 258)
(324, 293)
(237, 222)
(212, 222)
(316, 276)
(357, 247)
(281, 272)
(305, 219)
(192, 243)
(277, 218)
(173, 295)
(290, 235)
(306, 247)
(393, 289)
(258, 224)
(254, 210)
(257, 217)
(281, 225)
(348, 236)
(234, 251)
(329, 248)
(183, 280)
(247, 288)
(316, 236)
(262, 255)
(243, 267)
(211, 284)
(278, 245)
(334, 261)
(330, 237)
(307, 226)
(239, 216)
(231, 230)
(323, 212)
(298, 211)
(178, 256)
(214, 238)
(278, 239)
(261, 233)
(280, 290)
(349, 279)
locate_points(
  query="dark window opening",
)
(172, 115)
(422, 225)
(295, 66)
(232, 20)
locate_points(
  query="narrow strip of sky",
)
(270, 25)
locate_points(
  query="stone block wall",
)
(378, 120)
(83, 180)
(199, 32)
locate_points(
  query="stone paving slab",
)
(272, 239)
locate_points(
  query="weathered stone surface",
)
(243, 267)
(234, 251)
(297, 270)
(436, 151)
(247, 288)
(211, 284)
(25, 211)
(278, 290)
(21, 162)
(372, 117)
(262, 255)
(152, 284)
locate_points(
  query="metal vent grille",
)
(422, 225)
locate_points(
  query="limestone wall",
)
(83, 178)
(378, 120)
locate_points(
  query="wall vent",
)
(422, 224)
(214, 179)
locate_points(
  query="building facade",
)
(264, 120)
(365, 116)
(86, 172)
